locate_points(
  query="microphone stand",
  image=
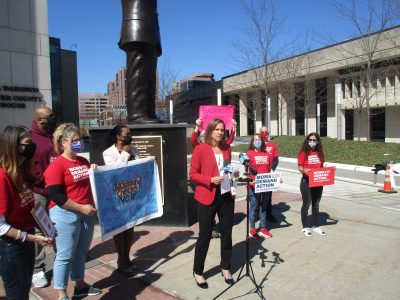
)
(247, 262)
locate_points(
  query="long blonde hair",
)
(9, 142)
(63, 132)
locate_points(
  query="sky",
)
(197, 35)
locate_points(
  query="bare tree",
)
(166, 83)
(257, 50)
(368, 19)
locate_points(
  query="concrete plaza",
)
(358, 259)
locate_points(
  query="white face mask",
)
(312, 144)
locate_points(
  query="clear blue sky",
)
(196, 35)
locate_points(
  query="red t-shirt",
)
(74, 175)
(260, 161)
(312, 161)
(16, 205)
(272, 149)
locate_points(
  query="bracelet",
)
(25, 237)
(18, 235)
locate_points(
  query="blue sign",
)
(126, 195)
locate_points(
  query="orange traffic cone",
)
(387, 185)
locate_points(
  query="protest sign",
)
(126, 195)
(43, 220)
(267, 182)
(209, 112)
(321, 176)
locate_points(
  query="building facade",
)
(116, 89)
(113, 114)
(90, 107)
(64, 83)
(24, 60)
(333, 90)
(191, 92)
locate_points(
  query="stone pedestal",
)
(180, 208)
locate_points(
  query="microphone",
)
(245, 161)
(228, 169)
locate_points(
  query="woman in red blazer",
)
(206, 170)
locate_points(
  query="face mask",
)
(50, 125)
(264, 136)
(77, 146)
(127, 140)
(312, 144)
(29, 150)
(257, 144)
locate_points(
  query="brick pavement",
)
(149, 240)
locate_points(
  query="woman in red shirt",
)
(17, 252)
(71, 210)
(207, 170)
(311, 156)
(261, 161)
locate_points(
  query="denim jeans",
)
(16, 267)
(258, 204)
(74, 235)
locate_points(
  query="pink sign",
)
(321, 176)
(209, 112)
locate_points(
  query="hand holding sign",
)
(321, 176)
(209, 112)
(267, 182)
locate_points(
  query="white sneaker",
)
(319, 230)
(39, 280)
(307, 231)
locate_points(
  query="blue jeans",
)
(74, 235)
(258, 204)
(16, 267)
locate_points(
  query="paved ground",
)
(358, 259)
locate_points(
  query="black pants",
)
(310, 196)
(141, 67)
(16, 267)
(224, 206)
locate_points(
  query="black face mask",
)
(127, 140)
(29, 150)
(50, 125)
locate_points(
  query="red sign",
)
(209, 112)
(321, 176)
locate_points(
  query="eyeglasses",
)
(313, 140)
(264, 131)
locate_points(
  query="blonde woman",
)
(72, 210)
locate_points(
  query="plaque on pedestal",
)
(168, 143)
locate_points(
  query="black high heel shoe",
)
(229, 281)
(203, 285)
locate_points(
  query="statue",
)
(140, 39)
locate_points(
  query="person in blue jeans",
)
(260, 161)
(72, 212)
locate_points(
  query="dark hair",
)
(251, 147)
(306, 149)
(210, 128)
(9, 142)
(112, 139)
